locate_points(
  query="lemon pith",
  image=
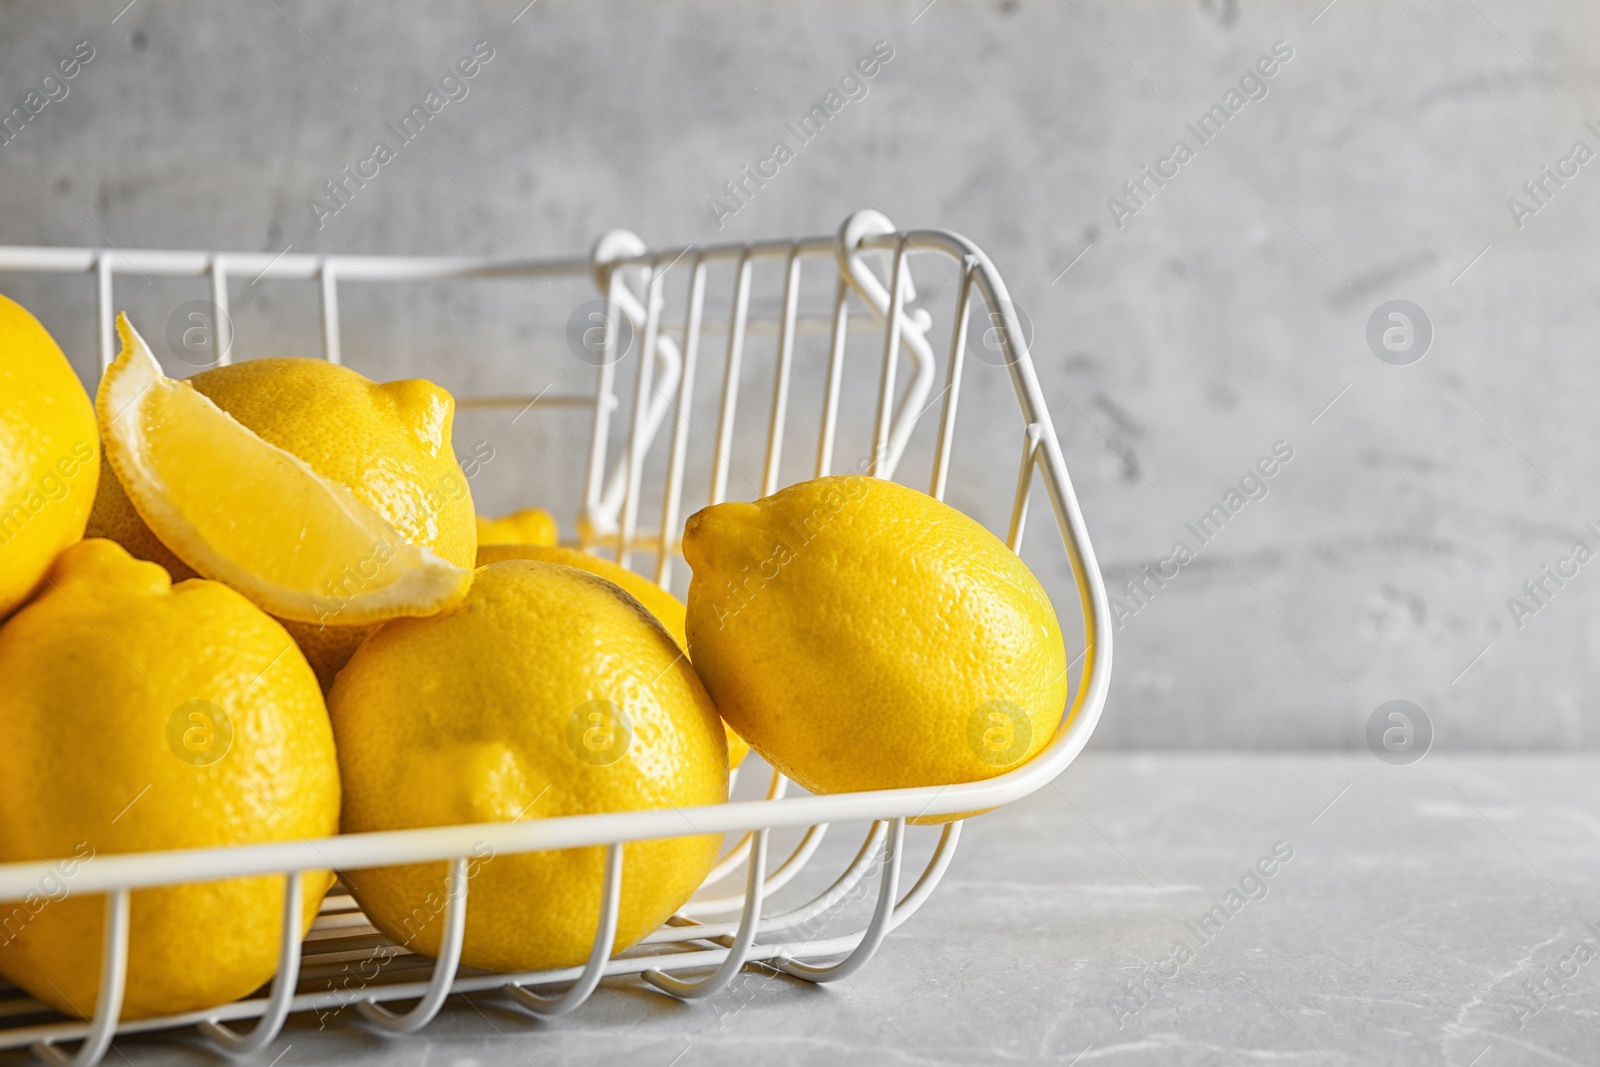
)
(311, 552)
(98, 755)
(49, 454)
(481, 713)
(862, 635)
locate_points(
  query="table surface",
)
(1437, 913)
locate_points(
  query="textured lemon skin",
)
(464, 717)
(530, 526)
(851, 628)
(49, 454)
(668, 609)
(388, 443)
(114, 519)
(95, 666)
(326, 648)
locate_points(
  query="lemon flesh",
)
(253, 515)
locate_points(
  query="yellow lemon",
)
(140, 715)
(48, 454)
(549, 693)
(357, 509)
(530, 526)
(862, 635)
(668, 609)
(114, 519)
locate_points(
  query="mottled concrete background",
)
(1200, 324)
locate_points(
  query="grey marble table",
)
(1156, 909)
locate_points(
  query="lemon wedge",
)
(243, 511)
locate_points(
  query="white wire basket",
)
(715, 936)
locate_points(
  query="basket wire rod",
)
(830, 401)
(842, 885)
(824, 901)
(327, 281)
(877, 929)
(283, 983)
(222, 325)
(606, 270)
(444, 967)
(780, 384)
(776, 788)
(779, 878)
(605, 399)
(605, 936)
(938, 863)
(739, 950)
(517, 402)
(303, 266)
(106, 308)
(864, 320)
(672, 500)
(881, 464)
(605, 518)
(1095, 674)
(113, 983)
(639, 433)
(730, 382)
(472, 983)
(1058, 483)
(869, 231)
(952, 391)
(927, 882)
(1019, 506)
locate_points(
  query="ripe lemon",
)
(862, 635)
(530, 526)
(549, 693)
(357, 509)
(668, 609)
(114, 519)
(48, 454)
(140, 715)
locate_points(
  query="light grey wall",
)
(1224, 316)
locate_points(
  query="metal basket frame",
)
(630, 277)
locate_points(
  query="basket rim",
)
(430, 844)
